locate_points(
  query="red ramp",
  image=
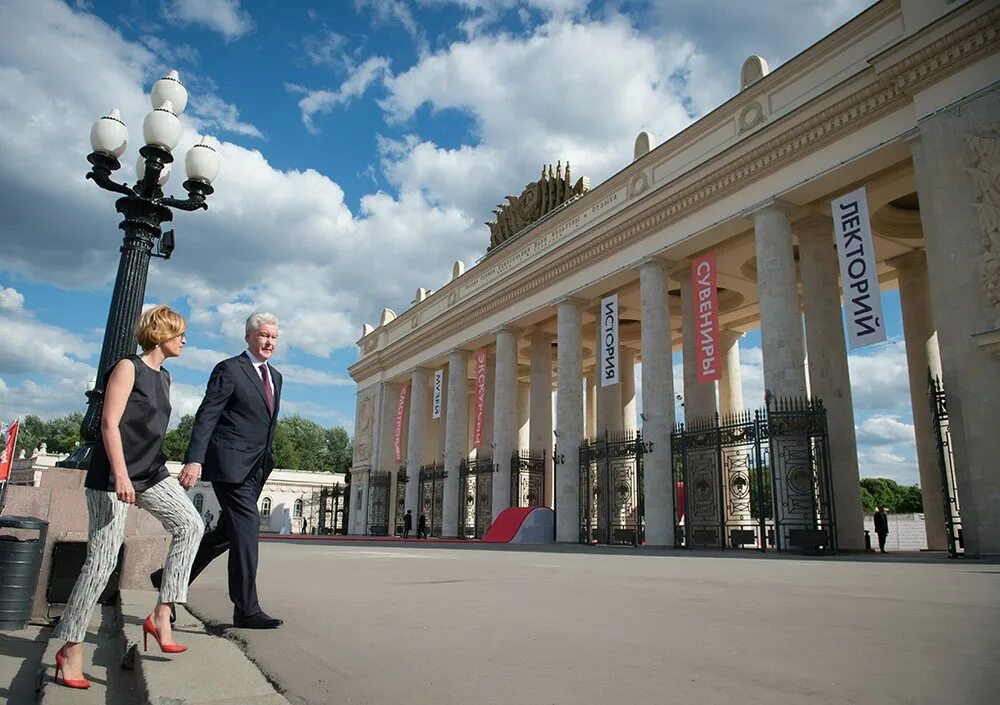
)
(522, 525)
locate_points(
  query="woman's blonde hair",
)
(158, 324)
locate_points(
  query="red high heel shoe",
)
(149, 628)
(81, 684)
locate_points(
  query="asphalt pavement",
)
(384, 624)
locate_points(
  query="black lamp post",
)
(143, 208)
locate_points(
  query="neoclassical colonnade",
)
(914, 123)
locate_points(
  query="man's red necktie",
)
(264, 375)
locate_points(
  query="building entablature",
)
(845, 101)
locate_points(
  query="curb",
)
(214, 671)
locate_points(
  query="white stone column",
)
(829, 376)
(956, 161)
(591, 416)
(630, 413)
(540, 428)
(699, 398)
(569, 421)
(657, 403)
(609, 399)
(456, 441)
(504, 417)
(922, 355)
(420, 411)
(731, 382)
(780, 319)
(523, 416)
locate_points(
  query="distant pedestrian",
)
(422, 527)
(881, 527)
(209, 517)
(407, 523)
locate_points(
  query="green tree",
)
(285, 453)
(309, 442)
(30, 434)
(64, 433)
(176, 441)
(340, 449)
(60, 435)
(883, 492)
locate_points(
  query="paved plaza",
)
(385, 624)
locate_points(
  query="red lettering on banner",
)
(477, 433)
(400, 411)
(704, 277)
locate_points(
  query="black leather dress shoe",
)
(261, 620)
(156, 578)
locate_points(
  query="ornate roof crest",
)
(538, 199)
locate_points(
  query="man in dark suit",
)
(231, 447)
(881, 521)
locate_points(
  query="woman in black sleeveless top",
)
(128, 467)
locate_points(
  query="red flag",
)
(7, 455)
(704, 276)
(400, 411)
(477, 428)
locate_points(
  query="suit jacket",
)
(233, 432)
(881, 522)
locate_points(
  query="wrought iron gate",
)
(431, 501)
(400, 500)
(332, 515)
(527, 479)
(611, 489)
(756, 480)
(946, 465)
(475, 504)
(378, 502)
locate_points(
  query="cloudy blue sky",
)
(363, 144)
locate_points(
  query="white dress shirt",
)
(256, 365)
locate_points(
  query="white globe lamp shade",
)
(140, 171)
(161, 127)
(170, 88)
(202, 162)
(109, 135)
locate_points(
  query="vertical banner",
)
(400, 411)
(608, 323)
(477, 433)
(858, 274)
(8, 437)
(704, 279)
(438, 381)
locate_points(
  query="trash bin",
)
(20, 562)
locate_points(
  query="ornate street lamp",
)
(144, 208)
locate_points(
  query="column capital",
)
(577, 301)
(420, 369)
(907, 260)
(540, 335)
(653, 261)
(771, 204)
(814, 224)
(506, 328)
(730, 336)
(460, 351)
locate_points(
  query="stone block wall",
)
(906, 532)
(60, 501)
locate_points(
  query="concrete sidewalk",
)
(214, 671)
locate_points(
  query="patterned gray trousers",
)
(167, 501)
